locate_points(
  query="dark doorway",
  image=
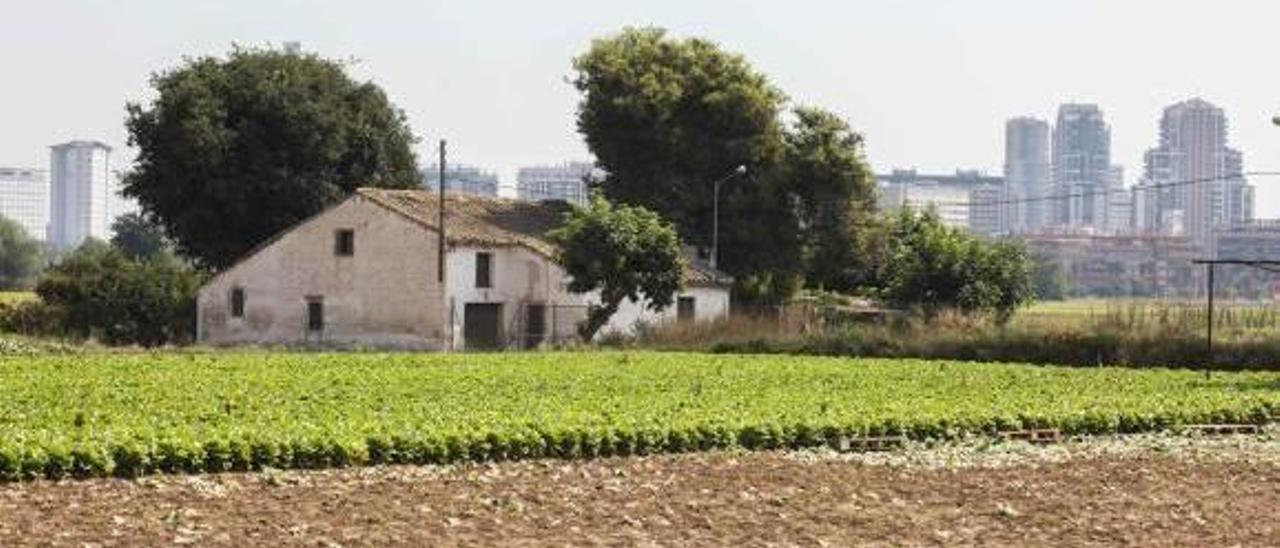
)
(535, 325)
(315, 315)
(686, 309)
(481, 327)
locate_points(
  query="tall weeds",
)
(1131, 335)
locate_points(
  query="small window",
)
(315, 314)
(237, 302)
(686, 309)
(484, 270)
(344, 242)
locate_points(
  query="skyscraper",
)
(24, 198)
(1082, 169)
(84, 197)
(1026, 175)
(1195, 180)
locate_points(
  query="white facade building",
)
(967, 200)
(1027, 175)
(24, 198)
(566, 182)
(366, 272)
(84, 196)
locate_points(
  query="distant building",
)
(1027, 176)
(1082, 170)
(84, 195)
(967, 199)
(1252, 240)
(1119, 204)
(1123, 265)
(566, 182)
(462, 178)
(24, 198)
(1193, 176)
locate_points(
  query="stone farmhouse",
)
(366, 272)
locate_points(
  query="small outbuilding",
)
(367, 272)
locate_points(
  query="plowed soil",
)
(1145, 498)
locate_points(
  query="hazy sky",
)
(929, 83)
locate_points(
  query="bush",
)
(934, 267)
(99, 292)
(30, 317)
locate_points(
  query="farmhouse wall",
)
(519, 277)
(385, 294)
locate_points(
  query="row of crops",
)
(126, 415)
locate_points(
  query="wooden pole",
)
(441, 243)
(1209, 339)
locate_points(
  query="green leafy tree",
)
(666, 117)
(625, 252)
(98, 291)
(138, 237)
(232, 151)
(20, 256)
(930, 266)
(835, 196)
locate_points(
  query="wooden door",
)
(482, 326)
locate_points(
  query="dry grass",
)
(1128, 334)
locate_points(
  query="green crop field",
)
(91, 415)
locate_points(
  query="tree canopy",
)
(21, 256)
(665, 117)
(625, 252)
(835, 197)
(668, 117)
(929, 266)
(137, 237)
(234, 150)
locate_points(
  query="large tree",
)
(20, 256)
(625, 252)
(666, 117)
(234, 150)
(834, 193)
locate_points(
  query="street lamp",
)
(715, 213)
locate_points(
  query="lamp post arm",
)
(715, 214)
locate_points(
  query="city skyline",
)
(505, 102)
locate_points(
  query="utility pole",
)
(1209, 358)
(440, 221)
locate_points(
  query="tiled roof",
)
(487, 221)
(478, 220)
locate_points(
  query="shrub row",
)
(128, 415)
(138, 458)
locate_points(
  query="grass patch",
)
(96, 415)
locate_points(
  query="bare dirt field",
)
(1155, 491)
